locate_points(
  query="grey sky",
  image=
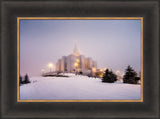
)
(112, 43)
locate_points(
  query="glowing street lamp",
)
(50, 65)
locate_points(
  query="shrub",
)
(80, 72)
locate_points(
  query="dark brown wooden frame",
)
(10, 10)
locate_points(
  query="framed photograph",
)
(80, 59)
(74, 77)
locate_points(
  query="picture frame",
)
(148, 9)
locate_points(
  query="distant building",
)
(76, 63)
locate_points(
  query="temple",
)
(76, 62)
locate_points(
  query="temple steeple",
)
(75, 51)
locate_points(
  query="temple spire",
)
(75, 51)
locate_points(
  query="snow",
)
(77, 87)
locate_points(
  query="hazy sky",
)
(114, 44)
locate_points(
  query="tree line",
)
(24, 80)
(130, 76)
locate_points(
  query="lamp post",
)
(50, 65)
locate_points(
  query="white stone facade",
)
(76, 63)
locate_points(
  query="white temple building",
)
(76, 62)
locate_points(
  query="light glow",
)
(75, 64)
(77, 60)
(50, 65)
(94, 69)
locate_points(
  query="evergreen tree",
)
(20, 80)
(26, 79)
(109, 77)
(114, 76)
(130, 76)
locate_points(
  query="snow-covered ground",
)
(77, 87)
